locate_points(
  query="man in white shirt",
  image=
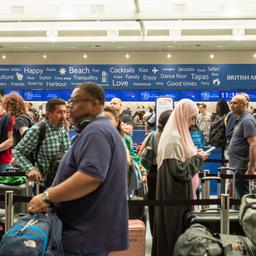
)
(203, 120)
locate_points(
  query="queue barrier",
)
(9, 198)
(224, 202)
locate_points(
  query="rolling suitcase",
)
(211, 217)
(137, 237)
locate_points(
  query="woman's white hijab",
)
(176, 142)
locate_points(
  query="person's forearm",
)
(6, 144)
(252, 156)
(22, 160)
(77, 186)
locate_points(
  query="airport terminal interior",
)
(136, 50)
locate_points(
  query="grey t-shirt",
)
(98, 221)
(238, 149)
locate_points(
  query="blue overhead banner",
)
(130, 77)
(138, 95)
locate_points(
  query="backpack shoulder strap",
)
(42, 132)
(4, 124)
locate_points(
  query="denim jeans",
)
(82, 253)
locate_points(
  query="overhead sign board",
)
(130, 77)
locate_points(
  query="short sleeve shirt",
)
(98, 221)
(238, 150)
(204, 121)
(20, 121)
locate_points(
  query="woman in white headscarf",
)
(178, 161)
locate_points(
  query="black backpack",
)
(217, 133)
(4, 124)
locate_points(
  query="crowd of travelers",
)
(90, 177)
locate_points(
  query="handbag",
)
(147, 154)
(134, 179)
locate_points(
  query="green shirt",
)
(129, 143)
(50, 147)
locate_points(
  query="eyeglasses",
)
(234, 103)
(76, 101)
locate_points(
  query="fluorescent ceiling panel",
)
(202, 24)
(38, 26)
(129, 39)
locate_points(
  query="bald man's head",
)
(247, 97)
(239, 104)
(116, 104)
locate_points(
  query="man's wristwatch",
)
(45, 197)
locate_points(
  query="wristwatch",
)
(45, 197)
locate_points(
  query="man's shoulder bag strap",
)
(42, 132)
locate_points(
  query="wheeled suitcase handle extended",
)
(12, 169)
(9, 206)
(9, 209)
(226, 168)
(224, 214)
(216, 178)
(12, 173)
(205, 183)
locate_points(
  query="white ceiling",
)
(127, 25)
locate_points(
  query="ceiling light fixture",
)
(3, 56)
(85, 56)
(175, 32)
(52, 35)
(212, 56)
(127, 56)
(44, 56)
(168, 56)
(254, 55)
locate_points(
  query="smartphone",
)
(208, 151)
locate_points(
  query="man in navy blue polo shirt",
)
(90, 186)
(242, 146)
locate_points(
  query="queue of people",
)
(91, 184)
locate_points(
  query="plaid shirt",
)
(50, 146)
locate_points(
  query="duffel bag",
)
(247, 216)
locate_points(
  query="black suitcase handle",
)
(224, 168)
(209, 178)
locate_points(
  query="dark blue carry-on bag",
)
(38, 234)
